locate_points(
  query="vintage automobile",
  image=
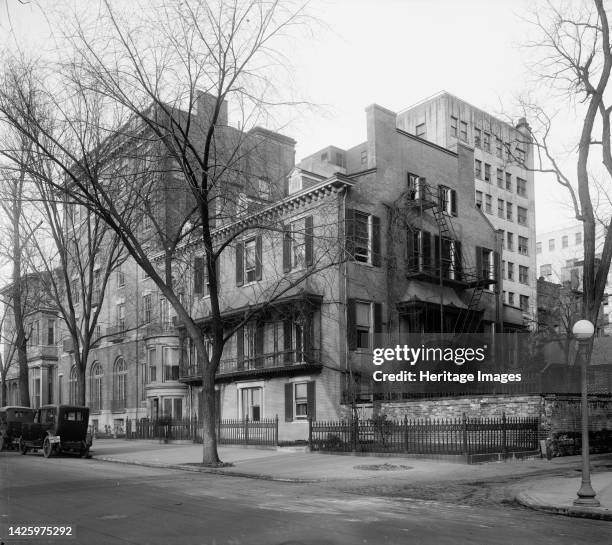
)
(57, 429)
(11, 419)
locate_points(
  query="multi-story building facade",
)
(348, 250)
(504, 188)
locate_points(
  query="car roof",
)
(16, 407)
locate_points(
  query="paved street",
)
(113, 503)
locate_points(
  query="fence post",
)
(465, 435)
(128, 428)
(276, 430)
(309, 433)
(246, 430)
(405, 433)
(355, 433)
(504, 438)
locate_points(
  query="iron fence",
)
(458, 436)
(229, 432)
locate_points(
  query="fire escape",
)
(451, 266)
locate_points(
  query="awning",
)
(425, 292)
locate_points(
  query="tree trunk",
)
(210, 455)
(80, 386)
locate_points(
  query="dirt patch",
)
(382, 467)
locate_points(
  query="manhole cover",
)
(383, 467)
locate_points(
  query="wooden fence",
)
(460, 436)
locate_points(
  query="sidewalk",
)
(553, 494)
(556, 495)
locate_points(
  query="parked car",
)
(11, 419)
(56, 429)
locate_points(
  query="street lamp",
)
(583, 332)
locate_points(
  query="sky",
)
(393, 53)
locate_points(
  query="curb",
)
(569, 511)
(212, 470)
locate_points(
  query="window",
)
(453, 126)
(339, 159)
(120, 383)
(523, 274)
(521, 215)
(487, 142)
(485, 260)
(508, 181)
(301, 401)
(578, 239)
(264, 188)
(503, 238)
(251, 403)
(520, 155)
(546, 270)
(488, 204)
(504, 271)
(297, 244)
(163, 310)
(35, 387)
(510, 271)
(152, 363)
(500, 178)
(324, 157)
(447, 200)
(364, 157)
(521, 187)
(487, 173)
(524, 303)
(478, 169)
(170, 363)
(419, 250)
(248, 261)
(120, 278)
(511, 298)
(510, 241)
(421, 131)
(523, 245)
(464, 131)
(121, 317)
(551, 244)
(363, 237)
(363, 324)
(50, 332)
(146, 308)
(500, 208)
(498, 146)
(509, 215)
(538, 247)
(95, 386)
(479, 199)
(564, 241)
(34, 336)
(477, 137)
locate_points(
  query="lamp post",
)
(583, 332)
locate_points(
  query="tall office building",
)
(504, 184)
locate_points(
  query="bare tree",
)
(573, 63)
(171, 88)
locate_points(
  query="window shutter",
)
(286, 248)
(311, 400)
(441, 197)
(198, 279)
(410, 245)
(309, 239)
(376, 241)
(239, 264)
(426, 250)
(289, 402)
(287, 340)
(308, 339)
(378, 318)
(437, 254)
(479, 262)
(349, 231)
(458, 260)
(453, 198)
(240, 348)
(351, 331)
(205, 289)
(259, 344)
(258, 257)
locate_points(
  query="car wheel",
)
(22, 448)
(47, 448)
(84, 450)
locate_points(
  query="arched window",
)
(72, 386)
(119, 384)
(15, 393)
(95, 388)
